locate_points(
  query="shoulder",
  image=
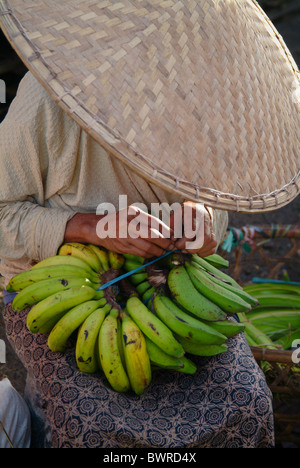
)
(33, 105)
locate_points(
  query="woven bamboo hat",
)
(200, 98)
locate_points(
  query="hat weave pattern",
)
(199, 98)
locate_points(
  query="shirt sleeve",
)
(29, 230)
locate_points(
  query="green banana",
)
(286, 341)
(185, 294)
(82, 251)
(109, 353)
(134, 258)
(87, 340)
(256, 335)
(64, 260)
(267, 288)
(146, 297)
(278, 301)
(276, 323)
(250, 340)
(138, 366)
(217, 261)
(53, 307)
(120, 337)
(116, 260)
(28, 277)
(153, 327)
(185, 325)
(72, 319)
(253, 301)
(198, 349)
(279, 315)
(36, 292)
(143, 287)
(161, 359)
(130, 265)
(138, 278)
(102, 255)
(228, 328)
(202, 262)
(225, 299)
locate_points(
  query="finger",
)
(144, 228)
(148, 248)
(148, 222)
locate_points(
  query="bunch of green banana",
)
(166, 317)
(99, 258)
(278, 313)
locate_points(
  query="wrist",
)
(82, 228)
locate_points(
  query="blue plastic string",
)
(129, 273)
(269, 280)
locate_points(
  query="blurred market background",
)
(282, 256)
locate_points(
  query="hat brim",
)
(201, 98)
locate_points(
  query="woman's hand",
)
(133, 231)
(130, 230)
(193, 227)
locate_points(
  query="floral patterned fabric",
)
(226, 404)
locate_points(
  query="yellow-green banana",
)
(28, 277)
(53, 307)
(120, 338)
(72, 319)
(109, 353)
(153, 327)
(86, 352)
(82, 251)
(159, 358)
(102, 255)
(185, 293)
(225, 299)
(64, 260)
(36, 292)
(184, 324)
(138, 366)
(198, 349)
(116, 260)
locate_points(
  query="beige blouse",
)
(49, 170)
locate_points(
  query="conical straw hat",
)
(199, 97)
